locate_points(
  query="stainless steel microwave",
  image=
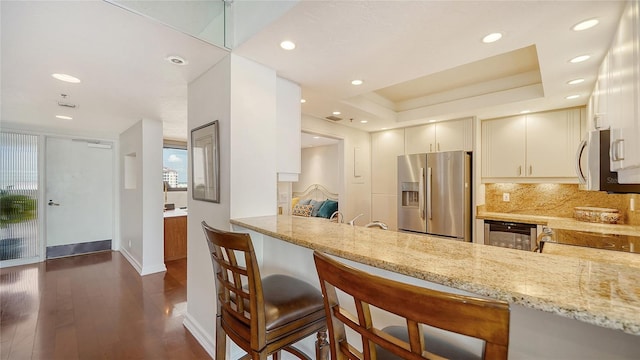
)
(593, 165)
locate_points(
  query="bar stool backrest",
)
(487, 320)
(238, 287)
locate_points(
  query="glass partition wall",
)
(205, 20)
(18, 196)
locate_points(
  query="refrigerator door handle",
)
(421, 194)
(581, 178)
(429, 193)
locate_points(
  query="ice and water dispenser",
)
(410, 194)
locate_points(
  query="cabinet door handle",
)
(430, 147)
(519, 170)
(530, 169)
(617, 150)
(596, 120)
(438, 147)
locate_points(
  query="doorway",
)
(78, 196)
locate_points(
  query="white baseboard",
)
(201, 336)
(207, 342)
(136, 265)
(146, 270)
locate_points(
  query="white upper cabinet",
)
(503, 147)
(533, 146)
(624, 92)
(552, 140)
(442, 136)
(420, 139)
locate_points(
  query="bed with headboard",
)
(315, 201)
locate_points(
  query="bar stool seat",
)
(287, 299)
(262, 316)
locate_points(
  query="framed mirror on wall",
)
(205, 172)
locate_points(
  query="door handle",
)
(51, 203)
(617, 150)
(421, 194)
(581, 178)
(429, 189)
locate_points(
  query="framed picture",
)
(205, 172)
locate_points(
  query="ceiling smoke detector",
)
(63, 102)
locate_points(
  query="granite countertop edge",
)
(599, 317)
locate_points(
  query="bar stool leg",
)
(221, 340)
(322, 346)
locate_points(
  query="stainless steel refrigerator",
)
(434, 194)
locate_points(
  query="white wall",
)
(241, 95)
(178, 198)
(141, 203)
(208, 100)
(320, 165)
(355, 192)
(253, 134)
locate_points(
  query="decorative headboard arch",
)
(316, 192)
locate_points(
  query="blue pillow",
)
(316, 206)
(328, 208)
(304, 202)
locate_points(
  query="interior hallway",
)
(94, 306)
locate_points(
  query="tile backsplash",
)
(556, 200)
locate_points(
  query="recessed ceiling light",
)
(288, 45)
(493, 37)
(176, 60)
(584, 25)
(336, 113)
(571, 97)
(384, 128)
(432, 121)
(302, 101)
(316, 137)
(575, 81)
(525, 111)
(580, 58)
(64, 117)
(356, 82)
(66, 78)
(363, 121)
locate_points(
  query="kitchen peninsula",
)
(561, 307)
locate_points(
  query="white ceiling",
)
(119, 56)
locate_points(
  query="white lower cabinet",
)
(532, 146)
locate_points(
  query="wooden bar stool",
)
(487, 320)
(262, 316)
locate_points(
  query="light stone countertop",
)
(603, 293)
(562, 223)
(175, 213)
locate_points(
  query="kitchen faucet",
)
(338, 215)
(377, 223)
(352, 222)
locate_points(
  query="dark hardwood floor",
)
(94, 306)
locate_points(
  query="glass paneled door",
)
(19, 237)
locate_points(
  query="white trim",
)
(146, 270)
(201, 336)
(136, 265)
